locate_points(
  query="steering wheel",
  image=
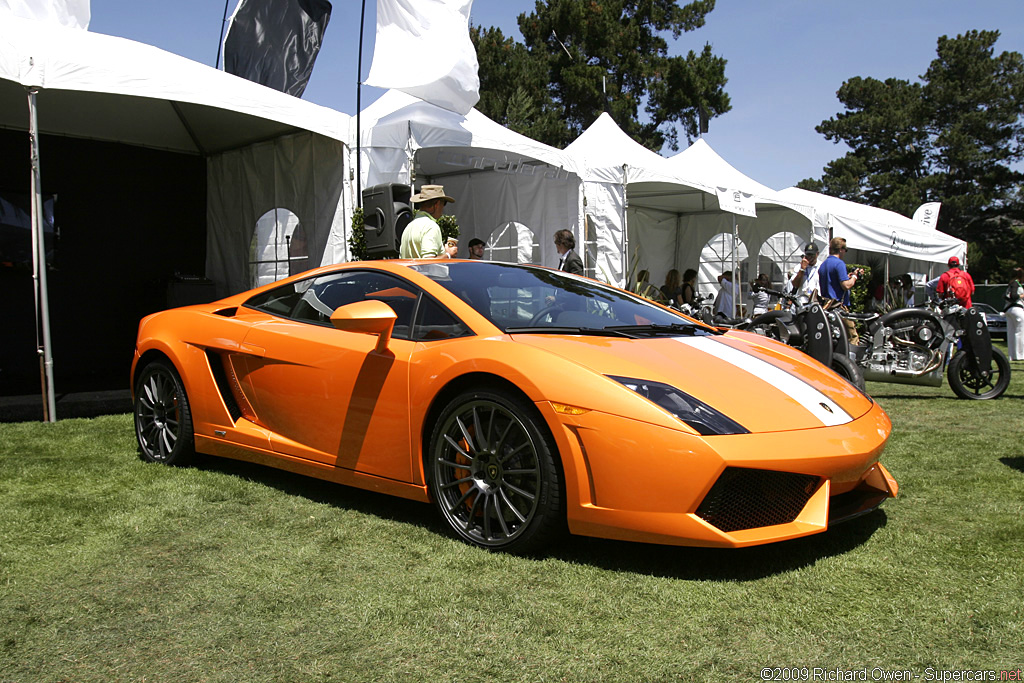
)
(547, 310)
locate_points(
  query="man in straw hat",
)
(422, 237)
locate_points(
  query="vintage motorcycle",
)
(700, 309)
(916, 345)
(809, 327)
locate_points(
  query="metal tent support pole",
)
(885, 285)
(625, 226)
(39, 267)
(735, 269)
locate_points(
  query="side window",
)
(315, 299)
(434, 322)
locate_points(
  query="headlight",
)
(699, 415)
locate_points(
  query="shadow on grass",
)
(721, 564)
(705, 564)
(328, 493)
(1016, 463)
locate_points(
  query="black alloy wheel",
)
(966, 382)
(163, 420)
(493, 474)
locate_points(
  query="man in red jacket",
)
(956, 283)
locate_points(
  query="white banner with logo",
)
(927, 215)
(736, 202)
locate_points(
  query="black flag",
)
(275, 42)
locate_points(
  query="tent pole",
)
(625, 227)
(885, 286)
(735, 269)
(39, 266)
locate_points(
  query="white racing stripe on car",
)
(817, 403)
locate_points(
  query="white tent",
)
(772, 242)
(674, 210)
(266, 150)
(869, 230)
(162, 166)
(614, 168)
(510, 191)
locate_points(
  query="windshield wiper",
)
(688, 329)
(591, 331)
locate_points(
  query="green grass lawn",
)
(114, 570)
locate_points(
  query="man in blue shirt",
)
(834, 281)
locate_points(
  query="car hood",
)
(760, 383)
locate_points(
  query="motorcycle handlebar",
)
(773, 292)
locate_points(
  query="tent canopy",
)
(103, 87)
(266, 151)
(510, 191)
(672, 209)
(879, 231)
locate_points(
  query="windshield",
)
(529, 299)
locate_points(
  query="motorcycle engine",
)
(904, 357)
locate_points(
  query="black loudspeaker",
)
(386, 212)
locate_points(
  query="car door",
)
(324, 393)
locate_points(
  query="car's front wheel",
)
(163, 419)
(493, 474)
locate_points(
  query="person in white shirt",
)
(723, 302)
(758, 295)
(804, 282)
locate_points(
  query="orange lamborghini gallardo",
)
(523, 402)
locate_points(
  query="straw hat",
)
(429, 192)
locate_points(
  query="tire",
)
(848, 370)
(493, 475)
(966, 383)
(163, 419)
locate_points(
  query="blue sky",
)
(786, 58)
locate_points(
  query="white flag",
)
(735, 201)
(423, 49)
(72, 13)
(927, 215)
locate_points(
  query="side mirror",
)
(367, 317)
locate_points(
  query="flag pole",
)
(359, 112)
(216, 64)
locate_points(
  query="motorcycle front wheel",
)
(848, 370)
(967, 382)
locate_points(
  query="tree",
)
(583, 57)
(954, 138)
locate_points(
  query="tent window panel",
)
(718, 255)
(780, 257)
(513, 243)
(278, 248)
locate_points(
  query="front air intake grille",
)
(747, 499)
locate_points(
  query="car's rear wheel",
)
(493, 474)
(163, 419)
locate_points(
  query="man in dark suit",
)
(568, 260)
